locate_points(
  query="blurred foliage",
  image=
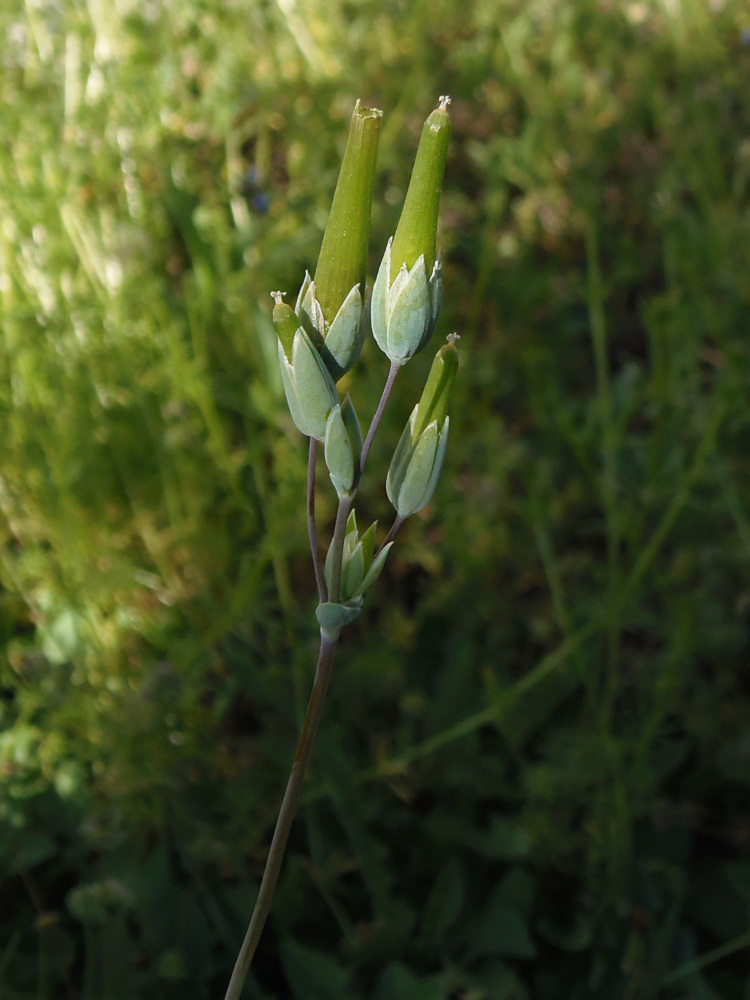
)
(533, 776)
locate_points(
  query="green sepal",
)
(346, 335)
(351, 524)
(351, 422)
(316, 393)
(368, 543)
(354, 571)
(350, 541)
(397, 469)
(333, 617)
(418, 473)
(290, 391)
(359, 569)
(404, 313)
(338, 453)
(375, 569)
(410, 315)
(437, 467)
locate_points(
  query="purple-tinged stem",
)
(311, 529)
(284, 822)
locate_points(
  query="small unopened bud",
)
(308, 386)
(418, 460)
(360, 566)
(343, 445)
(433, 403)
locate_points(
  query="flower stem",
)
(284, 822)
(393, 372)
(346, 503)
(392, 533)
(311, 529)
(337, 546)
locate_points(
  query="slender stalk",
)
(392, 533)
(311, 529)
(317, 698)
(337, 546)
(284, 822)
(393, 372)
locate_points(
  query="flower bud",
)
(331, 306)
(309, 389)
(360, 568)
(408, 288)
(343, 445)
(418, 460)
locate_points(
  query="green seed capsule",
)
(407, 292)
(343, 254)
(416, 233)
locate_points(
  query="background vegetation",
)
(533, 779)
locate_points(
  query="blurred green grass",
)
(532, 780)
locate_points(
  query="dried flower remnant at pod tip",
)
(408, 288)
(331, 306)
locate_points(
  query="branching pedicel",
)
(320, 339)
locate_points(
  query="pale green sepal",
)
(333, 617)
(437, 468)
(411, 316)
(379, 301)
(436, 300)
(290, 391)
(368, 543)
(399, 462)
(307, 281)
(436, 290)
(338, 453)
(353, 429)
(418, 472)
(316, 393)
(304, 307)
(343, 342)
(350, 542)
(351, 524)
(374, 571)
(354, 571)
(311, 307)
(395, 290)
